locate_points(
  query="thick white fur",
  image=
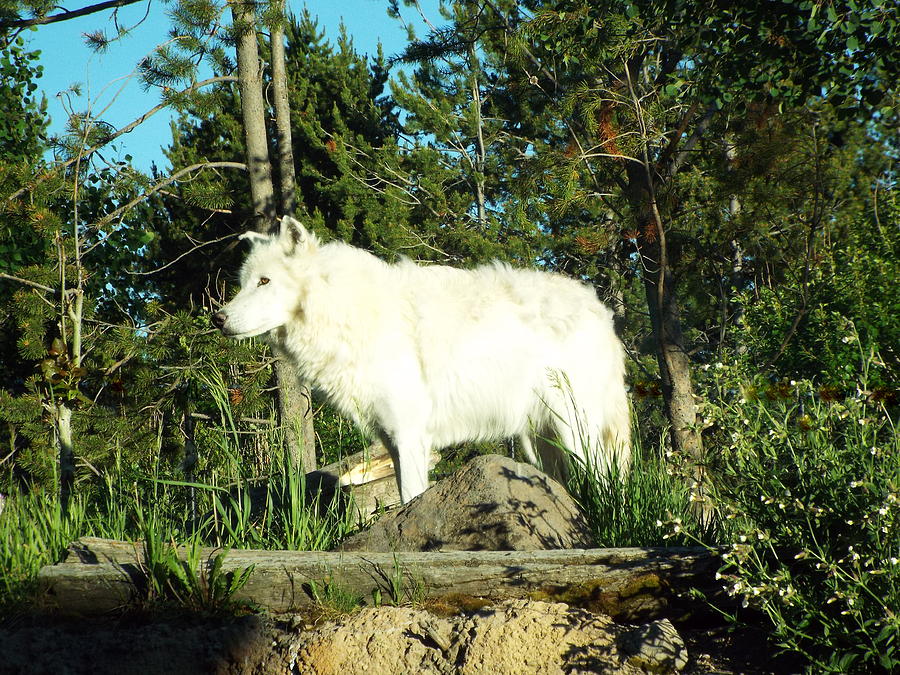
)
(429, 356)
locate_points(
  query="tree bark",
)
(62, 428)
(659, 289)
(735, 277)
(480, 152)
(253, 115)
(674, 367)
(282, 119)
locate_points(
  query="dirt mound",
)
(514, 637)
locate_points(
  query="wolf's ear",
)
(254, 237)
(295, 238)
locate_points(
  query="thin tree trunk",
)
(735, 277)
(659, 289)
(253, 114)
(295, 414)
(295, 399)
(674, 367)
(480, 152)
(283, 120)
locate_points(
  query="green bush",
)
(811, 481)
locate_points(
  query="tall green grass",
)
(212, 506)
(652, 504)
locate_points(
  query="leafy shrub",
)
(852, 301)
(811, 481)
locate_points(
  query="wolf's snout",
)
(219, 319)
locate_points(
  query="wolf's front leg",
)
(410, 454)
(402, 412)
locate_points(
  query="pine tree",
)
(627, 104)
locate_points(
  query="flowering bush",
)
(810, 479)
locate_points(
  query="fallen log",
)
(101, 575)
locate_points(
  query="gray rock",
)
(493, 503)
(655, 647)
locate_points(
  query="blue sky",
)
(111, 90)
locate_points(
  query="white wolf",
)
(430, 356)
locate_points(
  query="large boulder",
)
(493, 503)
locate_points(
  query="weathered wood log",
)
(101, 575)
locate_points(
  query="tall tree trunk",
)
(254, 116)
(735, 277)
(292, 405)
(674, 364)
(480, 152)
(295, 398)
(659, 289)
(282, 118)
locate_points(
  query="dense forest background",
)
(725, 176)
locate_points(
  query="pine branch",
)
(153, 190)
(64, 16)
(111, 137)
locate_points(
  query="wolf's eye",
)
(263, 281)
